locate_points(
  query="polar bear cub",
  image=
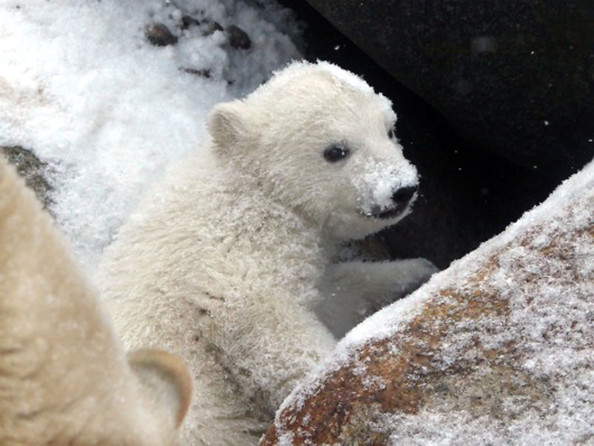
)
(228, 257)
(64, 378)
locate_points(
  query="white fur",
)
(224, 260)
(64, 378)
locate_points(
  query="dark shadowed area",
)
(490, 148)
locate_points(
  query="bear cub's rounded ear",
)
(226, 124)
(165, 379)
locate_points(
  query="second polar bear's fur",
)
(64, 377)
(227, 259)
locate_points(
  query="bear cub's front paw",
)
(410, 274)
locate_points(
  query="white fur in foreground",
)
(64, 379)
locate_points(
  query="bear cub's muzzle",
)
(402, 198)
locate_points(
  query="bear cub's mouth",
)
(390, 213)
(385, 214)
(401, 203)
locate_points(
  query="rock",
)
(238, 38)
(201, 73)
(189, 21)
(32, 169)
(210, 27)
(515, 78)
(206, 26)
(498, 349)
(159, 35)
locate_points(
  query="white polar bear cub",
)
(227, 258)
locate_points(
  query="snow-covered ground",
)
(82, 87)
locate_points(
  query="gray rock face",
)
(159, 35)
(514, 77)
(33, 170)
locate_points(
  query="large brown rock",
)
(498, 349)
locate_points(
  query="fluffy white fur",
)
(224, 261)
(64, 378)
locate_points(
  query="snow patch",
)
(81, 86)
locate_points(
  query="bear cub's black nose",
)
(404, 195)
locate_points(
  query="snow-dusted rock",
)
(32, 169)
(498, 349)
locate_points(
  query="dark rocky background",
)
(495, 103)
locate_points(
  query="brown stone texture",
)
(498, 349)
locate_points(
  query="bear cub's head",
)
(321, 142)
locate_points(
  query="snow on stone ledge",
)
(498, 349)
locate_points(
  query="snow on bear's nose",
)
(387, 191)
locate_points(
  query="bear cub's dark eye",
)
(335, 153)
(392, 133)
